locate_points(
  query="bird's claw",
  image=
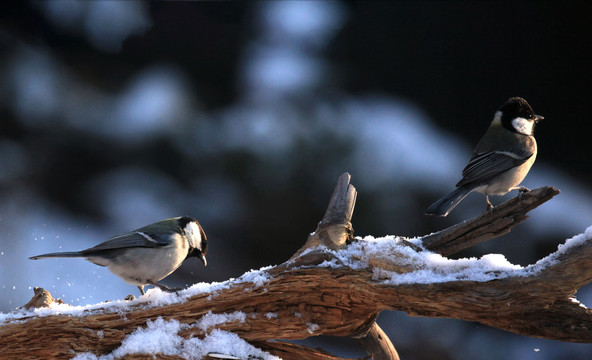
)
(166, 288)
(522, 190)
(489, 205)
(175, 290)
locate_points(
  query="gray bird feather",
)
(485, 166)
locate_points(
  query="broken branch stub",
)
(335, 229)
(309, 300)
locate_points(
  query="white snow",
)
(428, 267)
(575, 241)
(271, 315)
(561, 249)
(431, 267)
(312, 327)
(153, 298)
(257, 277)
(210, 320)
(162, 337)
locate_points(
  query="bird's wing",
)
(484, 166)
(127, 240)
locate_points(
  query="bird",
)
(149, 254)
(501, 160)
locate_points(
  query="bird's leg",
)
(141, 287)
(522, 190)
(164, 287)
(489, 205)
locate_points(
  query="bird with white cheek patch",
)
(149, 254)
(501, 159)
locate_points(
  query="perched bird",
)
(501, 159)
(148, 254)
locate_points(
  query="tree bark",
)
(489, 225)
(307, 299)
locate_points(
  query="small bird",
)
(501, 159)
(148, 254)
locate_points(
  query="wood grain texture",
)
(308, 300)
(489, 225)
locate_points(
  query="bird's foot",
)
(175, 290)
(129, 297)
(489, 205)
(522, 190)
(165, 288)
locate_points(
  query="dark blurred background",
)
(116, 114)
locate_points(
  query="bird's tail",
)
(58, 254)
(445, 205)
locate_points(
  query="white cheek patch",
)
(522, 125)
(193, 235)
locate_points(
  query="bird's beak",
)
(538, 118)
(203, 260)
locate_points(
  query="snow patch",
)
(271, 315)
(162, 337)
(312, 327)
(210, 320)
(428, 267)
(153, 298)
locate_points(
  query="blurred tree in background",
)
(116, 114)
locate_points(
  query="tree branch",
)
(377, 343)
(335, 230)
(489, 225)
(332, 288)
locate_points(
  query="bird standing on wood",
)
(148, 254)
(501, 159)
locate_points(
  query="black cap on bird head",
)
(516, 107)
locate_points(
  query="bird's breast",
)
(140, 265)
(508, 180)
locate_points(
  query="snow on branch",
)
(334, 285)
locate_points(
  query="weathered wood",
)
(41, 299)
(335, 229)
(340, 302)
(307, 300)
(377, 343)
(488, 225)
